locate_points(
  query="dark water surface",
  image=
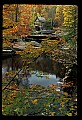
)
(43, 72)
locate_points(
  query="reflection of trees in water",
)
(59, 70)
(45, 64)
(13, 63)
(8, 64)
(22, 80)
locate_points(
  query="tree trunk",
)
(16, 19)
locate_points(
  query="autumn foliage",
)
(18, 19)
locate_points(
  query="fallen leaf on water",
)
(47, 78)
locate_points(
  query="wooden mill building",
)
(39, 23)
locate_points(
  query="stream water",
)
(43, 72)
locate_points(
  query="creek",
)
(43, 72)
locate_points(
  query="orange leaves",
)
(9, 16)
(54, 85)
(7, 12)
(38, 8)
(68, 84)
(6, 73)
(14, 29)
(23, 28)
(65, 93)
(35, 101)
(25, 13)
(32, 86)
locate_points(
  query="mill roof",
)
(40, 19)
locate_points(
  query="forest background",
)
(18, 19)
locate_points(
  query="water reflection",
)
(11, 64)
(47, 65)
(42, 79)
(44, 71)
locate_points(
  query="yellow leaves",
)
(23, 78)
(26, 101)
(62, 104)
(47, 104)
(6, 43)
(47, 78)
(6, 73)
(3, 107)
(60, 109)
(62, 40)
(52, 113)
(69, 19)
(22, 92)
(35, 101)
(69, 114)
(17, 109)
(19, 52)
(66, 99)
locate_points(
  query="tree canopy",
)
(18, 19)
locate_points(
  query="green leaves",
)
(40, 101)
(69, 114)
